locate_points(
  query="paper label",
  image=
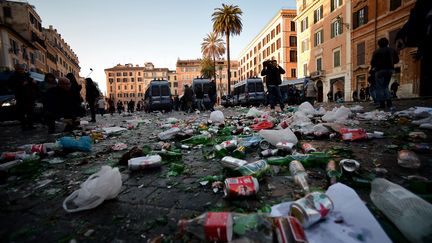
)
(241, 186)
(215, 226)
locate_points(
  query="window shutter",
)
(340, 26)
(355, 20)
(315, 16)
(321, 12)
(332, 6)
(366, 12)
(332, 29)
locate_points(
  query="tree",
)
(213, 47)
(227, 21)
(207, 68)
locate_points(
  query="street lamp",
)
(339, 20)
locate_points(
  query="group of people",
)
(60, 99)
(186, 102)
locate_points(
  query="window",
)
(293, 73)
(125, 87)
(119, 87)
(305, 45)
(139, 87)
(319, 64)
(118, 80)
(132, 79)
(293, 26)
(272, 34)
(130, 73)
(318, 14)
(139, 73)
(318, 37)
(111, 80)
(293, 41)
(360, 17)
(125, 80)
(336, 58)
(7, 13)
(139, 79)
(335, 4)
(278, 46)
(305, 69)
(304, 24)
(361, 53)
(394, 4)
(126, 95)
(131, 87)
(110, 74)
(175, 84)
(119, 95)
(118, 74)
(336, 27)
(278, 29)
(124, 73)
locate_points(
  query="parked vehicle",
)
(8, 108)
(203, 84)
(249, 92)
(227, 101)
(158, 96)
(295, 83)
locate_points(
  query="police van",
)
(249, 92)
(204, 85)
(158, 96)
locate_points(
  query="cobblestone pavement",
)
(151, 202)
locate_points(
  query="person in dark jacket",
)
(120, 106)
(199, 95)
(92, 93)
(188, 98)
(383, 60)
(131, 106)
(111, 106)
(26, 92)
(75, 89)
(60, 103)
(212, 94)
(272, 72)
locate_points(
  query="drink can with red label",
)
(241, 186)
(307, 148)
(145, 162)
(8, 156)
(230, 144)
(285, 146)
(218, 227)
(289, 230)
(232, 163)
(311, 208)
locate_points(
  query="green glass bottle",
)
(239, 152)
(279, 160)
(220, 151)
(169, 156)
(198, 139)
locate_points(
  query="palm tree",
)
(227, 21)
(207, 68)
(213, 47)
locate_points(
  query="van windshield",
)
(155, 90)
(255, 87)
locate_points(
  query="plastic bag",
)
(254, 112)
(276, 136)
(307, 108)
(84, 143)
(217, 117)
(337, 114)
(103, 185)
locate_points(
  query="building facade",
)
(187, 70)
(324, 52)
(128, 82)
(24, 40)
(276, 41)
(373, 20)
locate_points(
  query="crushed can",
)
(311, 208)
(232, 163)
(8, 156)
(269, 152)
(241, 186)
(285, 146)
(145, 162)
(230, 144)
(307, 148)
(289, 230)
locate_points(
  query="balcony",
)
(317, 74)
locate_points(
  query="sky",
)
(104, 33)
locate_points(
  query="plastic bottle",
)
(33, 148)
(228, 226)
(251, 141)
(411, 214)
(198, 139)
(169, 134)
(299, 173)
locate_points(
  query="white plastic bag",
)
(217, 117)
(307, 108)
(337, 114)
(103, 185)
(254, 112)
(275, 136)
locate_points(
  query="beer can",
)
(241, 186)
(307, 148)
(269, 152)
(256, 168)
(349, 165)
(311, 208)
(289, 230)
(7, 156)
(145, 162)
(230, 144)
(285, 146)
(232, 163)
(264, 145)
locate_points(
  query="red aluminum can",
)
(289, 230)
(307, 148)
(7, 156)
(241, 186)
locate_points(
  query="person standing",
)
(131, 106)
(119, 107)
(26, 91)
(75, 88)
(394, 88)
(199, 95)
(101, 106)
(383, 60)
(272, 72)
(92, 93)
(188, 97)
(310, 91)
(212, 94)
(111, 106)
